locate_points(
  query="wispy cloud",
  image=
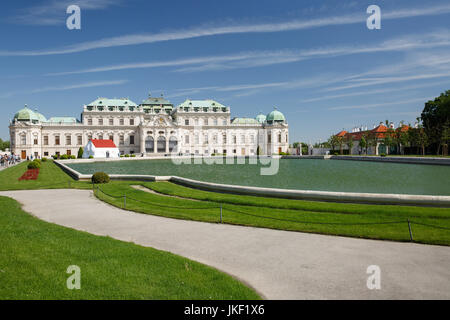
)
(371, 92)
(204, 31)
(66, 87)
(374, 105)
(54, 12)
(265, 58)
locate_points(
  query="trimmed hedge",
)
(100, 177)
(34, 165)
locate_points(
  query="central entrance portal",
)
(161, 144)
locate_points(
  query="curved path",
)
(278, 264)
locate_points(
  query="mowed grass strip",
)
(314, 206)
(353, 221)
(50, 177)
(34, 257)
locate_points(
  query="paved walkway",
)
(279, 264)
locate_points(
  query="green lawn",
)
(50, 177)
(355, 220)
(34, 256)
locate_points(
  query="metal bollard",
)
(410, 231)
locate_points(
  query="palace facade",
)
(152, 128)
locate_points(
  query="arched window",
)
(149, 144)
(173, 144)
(161, 145)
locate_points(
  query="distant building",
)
(101, 149)
(152, 128)
(377, 134)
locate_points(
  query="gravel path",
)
(278, 264)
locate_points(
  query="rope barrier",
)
(429, 225)
(313, 222)
(158, 204)
(273, 218)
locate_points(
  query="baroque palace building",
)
(152, 128)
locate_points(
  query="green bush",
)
(55, 156)
(64, 157)
(34, 165)
(44, 159)
(127, 156)
(383, 154)
(80, 153)
(72, 157)
(91, 157)
(100, 177)
(38, 161)
(133, 155)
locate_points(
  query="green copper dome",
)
(261, 118)
(26, 114)
(40, 116)
(275, 116)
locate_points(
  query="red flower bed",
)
(30, 174)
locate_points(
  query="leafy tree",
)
(340, 142)
(435, 115)
(445, 138)
(4, 145)
(80, 153)
(333, 141)
(388, 139)
(350, 143)
(422, 139)
(363, 143)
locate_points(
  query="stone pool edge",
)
(351, 197)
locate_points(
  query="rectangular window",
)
(89, 122)
(224, 139)
(45, 140)
(206, 139)
(100, 137)
(100, 122)
(215, 122)
(111, 138)
(279, 138)
(234, 140)
(35, 141)
(121, 140)
(206, 122)
(46, 153)
(131, 139)
(121, 122)
(186, 139)
(111, 122)
(269, 138)
(79, 140)
(68, 140)
(57, 140)
(131, 122)
(215, 139)
(224, 122)
(23, 139)
(186, 122)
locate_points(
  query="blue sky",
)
(314, 60)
